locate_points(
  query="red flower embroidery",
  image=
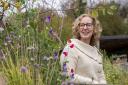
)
(72, 71)
(72, 74)
(65, 53)
(72, 45)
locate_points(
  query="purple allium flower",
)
(51, 31)
(55, 55)
(8, 39)
(47, 19)
(36, 65)
(23, 69)
(12, 33)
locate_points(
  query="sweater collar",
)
(86, 48)
(82, 44)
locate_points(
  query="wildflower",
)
(1, 29)
(23, 69)
(65, 54)
(5, 44)
(50, 57)
(8, 39)
(12, 33)
(46, 28)
(36, 65)
(19, 36)
(51, 31)
(31, 48)
(45, 58)
(27, 25)
(47, 19)
(32, 59)
(55, 55)
(18, 5)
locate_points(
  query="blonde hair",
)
(97, 29)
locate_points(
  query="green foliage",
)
(111, 21)
(23, 44)
(114, 74)
(113, 25)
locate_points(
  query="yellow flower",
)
(1, 14)
(18, 5)
(5, 5)
(1, 3)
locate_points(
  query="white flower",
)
(46, 58)
(1, 29)
(28, 26)
(31, 48)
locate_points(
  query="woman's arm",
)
(102, 79)
(101, 75)
(69, 55)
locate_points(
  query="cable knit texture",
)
(85, 60)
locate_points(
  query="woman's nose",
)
(85, 27)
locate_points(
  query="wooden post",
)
(99, 30)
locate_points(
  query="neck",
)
(87, 41)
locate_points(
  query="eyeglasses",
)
(88, 25)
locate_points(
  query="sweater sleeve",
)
(101, 75)
(70, 56)
(102, 79)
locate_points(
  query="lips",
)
(85, 32)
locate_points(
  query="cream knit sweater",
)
(86, 62)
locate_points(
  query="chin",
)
(86, 36)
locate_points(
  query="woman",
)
(80, 59)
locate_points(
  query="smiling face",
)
(86, 28)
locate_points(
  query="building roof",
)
(114, 44)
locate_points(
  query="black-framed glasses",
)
(89, 25)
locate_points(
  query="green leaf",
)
(113, 7)
(110, 12)
(95, 13)
(103, 11)
(47, 28)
